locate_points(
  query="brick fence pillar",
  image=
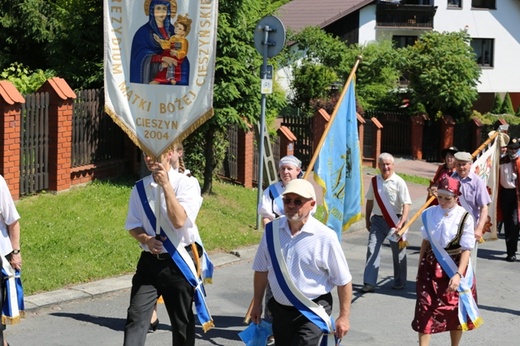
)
(477, 134)
(245, 157)
(361, 134)
(320, 120)
(10, 132)
(287, 139)
(377, 141)
(61, 106)
(447, 133)
(416, 136)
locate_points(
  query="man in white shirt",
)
(315, 264)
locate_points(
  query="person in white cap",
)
(271, 205)
(475, 197)
(302, 260)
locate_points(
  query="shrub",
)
(507, 105)
(24, 79)
(497, 105)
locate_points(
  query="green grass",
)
(415, 179)
(78, 236)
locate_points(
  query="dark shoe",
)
(511, 258)
(398, 287)
(153, 326)
(367, 288)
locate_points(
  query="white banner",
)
(159, 68)
(487, 167)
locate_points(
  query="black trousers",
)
(291, 328)
(509, 208)
(153, 278)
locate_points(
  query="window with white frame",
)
(484, 51)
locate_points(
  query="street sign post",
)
(269, 41)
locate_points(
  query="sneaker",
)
(367, 288)
(270, 341)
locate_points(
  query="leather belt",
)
(160, 256)
(164, 256)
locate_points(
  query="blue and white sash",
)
(467, 305)
(276, 191)
(312, 311)
(13, 308)
(179, 255)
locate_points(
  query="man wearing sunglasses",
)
(302, 260)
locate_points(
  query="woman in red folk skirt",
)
(446, 290)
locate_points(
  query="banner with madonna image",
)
(486, 166)
(159, 68)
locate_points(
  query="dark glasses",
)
(297, 202)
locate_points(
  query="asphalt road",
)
(379, 318)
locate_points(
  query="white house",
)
(493, 25)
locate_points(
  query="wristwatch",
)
(16, 251)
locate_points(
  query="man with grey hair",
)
(474, 196)
(383, 218)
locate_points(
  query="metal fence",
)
(34, 146)
(301, 127)
(230, 166)
(395, 137)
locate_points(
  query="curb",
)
(114, 284)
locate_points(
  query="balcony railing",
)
(407, 16)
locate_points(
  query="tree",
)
(443, 73)
(237, 84)
(377, 75)
(79, 44)
(317, 61)
(28, 27)
(322, 60)
(507, 105)
(65, 36)
(497, 104)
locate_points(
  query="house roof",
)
(297, 14)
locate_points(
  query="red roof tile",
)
(9, 93)
(298, 14)
(61, 88)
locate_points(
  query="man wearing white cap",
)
(474, 197)
(302, 260)
(271, 205)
